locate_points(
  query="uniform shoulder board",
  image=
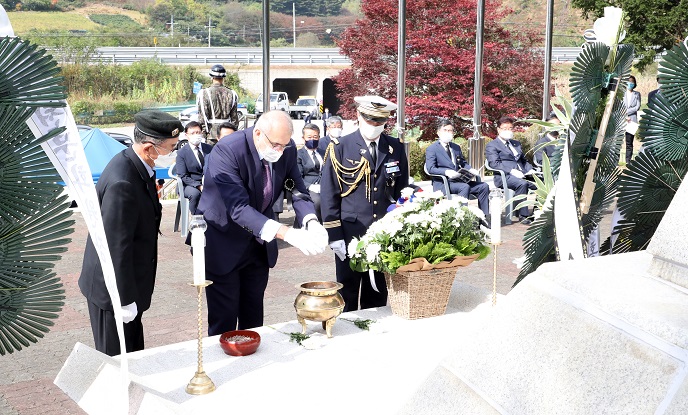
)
(335, 140)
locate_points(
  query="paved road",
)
(26, 387)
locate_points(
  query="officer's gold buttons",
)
(375, 215)
(374, 189)
(375, 202)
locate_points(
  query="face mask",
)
(335, 132)
(631, 85)
(507, 135)
(195, 139)
(370, 132)
(445, 137)
(271, 155)
(312, 144)
(167, 160)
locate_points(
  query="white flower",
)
(476, 211)
(406, 192)
(606, 28)
(372, 251)
(351, 249)
(437, 194)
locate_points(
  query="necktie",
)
(446, 147)
(315, 161)
(515, 153)
(267, 186)
(373, 153)
(201, 158)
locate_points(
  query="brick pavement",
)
(26, 387)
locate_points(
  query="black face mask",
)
(312, 144)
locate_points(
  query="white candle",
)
(496, 220)
(198, 245)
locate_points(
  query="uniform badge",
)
(362, 151)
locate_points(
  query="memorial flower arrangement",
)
(428, 226)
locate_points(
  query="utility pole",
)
(210, 26)
(266, 56)
(476, 144)
(401, 78)
(548, 59)
(293, 21)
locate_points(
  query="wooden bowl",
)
(240, 342)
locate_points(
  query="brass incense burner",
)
(319, 301)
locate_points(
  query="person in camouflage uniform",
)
(216, 104)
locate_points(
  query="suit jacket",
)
(350, 216)
(499, 157)
(540, 147)
(131, 217)
(188, 168)
(323, 143)
(632, 103)
(232, 197)
(307, 168)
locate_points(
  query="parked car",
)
(191, 113)
(303, 107)
(278, 101)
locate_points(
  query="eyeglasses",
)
(155, 147)
(276, 146)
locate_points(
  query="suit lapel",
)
(257, 164)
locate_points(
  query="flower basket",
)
(425, 292)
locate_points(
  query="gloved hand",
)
(302, 239)
(318, 232)
(129, 312)
(530, 172)
(516, 173)
(474, 172)
(339, 248)
(451, 173)
(315, 188)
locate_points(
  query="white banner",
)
(566, 219)
(68, 156)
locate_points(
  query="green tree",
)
(653, 27)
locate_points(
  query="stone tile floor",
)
(26, 384)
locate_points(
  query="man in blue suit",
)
(246, 173)
(190, 162)
(310, 161)
(445, 158)
(505, 154)
(363, 174)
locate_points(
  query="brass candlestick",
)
(200, 384)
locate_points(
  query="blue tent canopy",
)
(100, 148)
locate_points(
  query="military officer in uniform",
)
(363, 173)
(216, 104)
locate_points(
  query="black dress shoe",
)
(525, 220)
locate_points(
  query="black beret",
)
(158, 124)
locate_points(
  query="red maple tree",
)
(440, 62)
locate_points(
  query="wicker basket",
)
(420, 294)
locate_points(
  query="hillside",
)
(78, 19)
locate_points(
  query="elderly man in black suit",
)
(131, 217)
(309, 158)
(505, 154)
(190, 163)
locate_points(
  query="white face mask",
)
(167, 160)
(506, 134)
(271, 155)
(195, 139)
(445, 136)
(335, 132)
(370, 132)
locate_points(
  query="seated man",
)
(542, 145)
(310, 160)
(505, 154)
(445, 158)
(190, 163)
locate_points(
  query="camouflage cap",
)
(158, 124)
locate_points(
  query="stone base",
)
(594, 336)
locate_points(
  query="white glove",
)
(339, 248)
(302, 239)
(129, 312)
(530, 172)
(451, 173)
(318, 232)
(314, 188)
(474, 172)
(516, 173)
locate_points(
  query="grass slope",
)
(78, 19)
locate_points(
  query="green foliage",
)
(653, 26)
(121, 22)
(429, 227)
(360, 323)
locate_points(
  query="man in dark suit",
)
(131, 219)
(543, 143)
(363, 174)
(247, 171)
(445, 158)
(325, 116)
(505, 154)
(190, 161)
(334, 130)
(309, 158)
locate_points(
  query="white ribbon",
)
(371, 274)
